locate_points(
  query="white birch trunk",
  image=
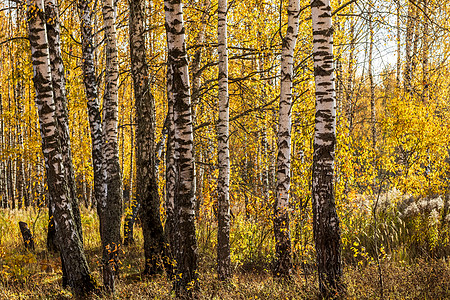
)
(281, 212)
(184, 198)
(67, 236)
(223, 181)
(111, 208)
(325, 220)
(91, 90)
(60, 98)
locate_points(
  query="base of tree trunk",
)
(27, 236)
(85, 287)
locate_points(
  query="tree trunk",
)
(408, 46)
(325, 220)
(27, 236)
(184, 198)
(60, 99)
(132, 205)
(223, 151)
(350, 104)
(196, 97)
(20, 178)
(111, 206)
(372, 87)
(281, 212)
(170, 175)
(69, 241)
(399, 58)
(3, 181)
(146, 178)
(91, 89)
(425, 53)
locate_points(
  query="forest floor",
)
(37, 275)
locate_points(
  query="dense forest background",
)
(392, 163)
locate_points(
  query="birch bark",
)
(325, 220)
(408, 47)
(281, 212)
(60, 99)
(223, 181)
(91, 90)
(111, 206)
(184, 197)
(425, 54)
(67, 236)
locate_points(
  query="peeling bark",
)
(325, 220)
(91, 90)
(184, 189)
(110, 207)
(282, 233)
(67, 236)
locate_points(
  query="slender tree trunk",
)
(399, 58)
(146, 177)
(3, 181)
(281, 213)
(170, 173)
(184, 199)
(67, 235)
(223, 151)
(372, 85)
(350, 109)
(133, 206)
(197, 59)
(111, 206)
(196, 95)
(408, 46)
(425, 53)
(325, 220)
(20, 178)
(91, 89)
(10, 176)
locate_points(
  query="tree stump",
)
(27, 236)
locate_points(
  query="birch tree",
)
(62, 114)
(146, 178)
(281, 212)
(410, 25)
(67, 235)
(325, 220)
(60, 98)
(223, 181)
(184, 196)
(111, 206)
(91, 90)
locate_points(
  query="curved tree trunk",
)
(281, 212)
(60, 98)
(67, 235)
(146, 178)
(111, 206)
(325, 220)
(184, 198)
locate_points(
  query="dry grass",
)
(25, 275)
